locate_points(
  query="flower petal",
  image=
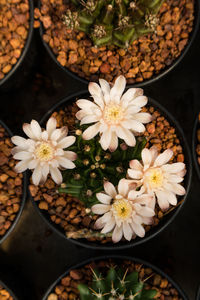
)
(138, 229)
(162, 200)
(81, 114)
(127, 136)
(56, 175)
(123, 187)
(91, 131)
(105, 89)
(97, 94)
(89, 119)
(135, 164)
(67, 142)
(117, 234)
(114, 142)
(45, 171)
(33, 164)
(134, 174)
(66, 163)
(133, 125)
(109, 226)
(100, 209)
(19, 141)
(146, 157)
(70, 155)
(130, 95)
(105, 139)
(51, 125)
(140, 101)
(37, 175)
(127, 230)
(146, 212)
(86, 105)
(110, 189)
(21, 166)
(23, 155)
(118, 89)
(143, 117)
(174, 168)
(104, 198)
(163, 158)
(28, 131)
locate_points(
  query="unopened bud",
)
(78, 132)
(87, 148)
(102, 166)
(86, 162)
(93, 175)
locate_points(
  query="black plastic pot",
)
(194, 145)
(23, 194)
(117, 257)
(145, 82)
(198, 294)
(13, 78)
(8, 290)
(163, 223)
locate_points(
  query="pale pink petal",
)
(143, 117)
(86, 105)
(103, 220)
(139, 101)
(110, 189)
(133, 125)
(81, 114)
(132, 110)
(127, 230)
(21, 166)
(56, 175)
(36, 129)
(118, 89)
(44, 135)
(178, 189)
(117, 234)
(70, 155)
(66, 163)
(109, 226)
(45, 171)
(51, 125)
(56, 134)
(23, 155)
(91, 131)
(28, 131)
(162, 200)
(146, 212)
(100, 209)
(114, 142)
(174, 178)
(136, 165)
(105, 89)
(154, 153)
(67, 142)
(135, 174)
(130, 95)
(97, 94)
(127, 136)
(33, 164)
(171, 197)
(138, 229)
(37, 175)
(105, 139)
(64, 132)
(174, 168)
(123, 187)
(146, 157)
(163, 158)
(89, 119)
(19, 141)
(104, 198)
(147, 221)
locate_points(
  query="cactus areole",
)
(113, 22)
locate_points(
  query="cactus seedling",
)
(94, 166)
(117, 285)
(113, 22)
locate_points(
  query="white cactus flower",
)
(157, 177)
(43, 151)
(124, 212)
(114, 115)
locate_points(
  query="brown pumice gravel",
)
(69, 212)
(10, 184)
(145, 58)
(14, 26)
(67, 287)
(4, 294)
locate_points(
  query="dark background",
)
(33, 256)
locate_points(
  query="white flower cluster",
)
(113, 115)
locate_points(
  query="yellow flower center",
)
(44, 151)
(122, 209)
(113, 114)
(154, 178)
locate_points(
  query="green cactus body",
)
(117, 285)
(94, 166)
(113, 22)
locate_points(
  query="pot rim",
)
(26, 46)
(23, 197)
(8, 290)
(194, 144)
(122, 257)
(147, 82)
(163, 223)
(198, 293)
